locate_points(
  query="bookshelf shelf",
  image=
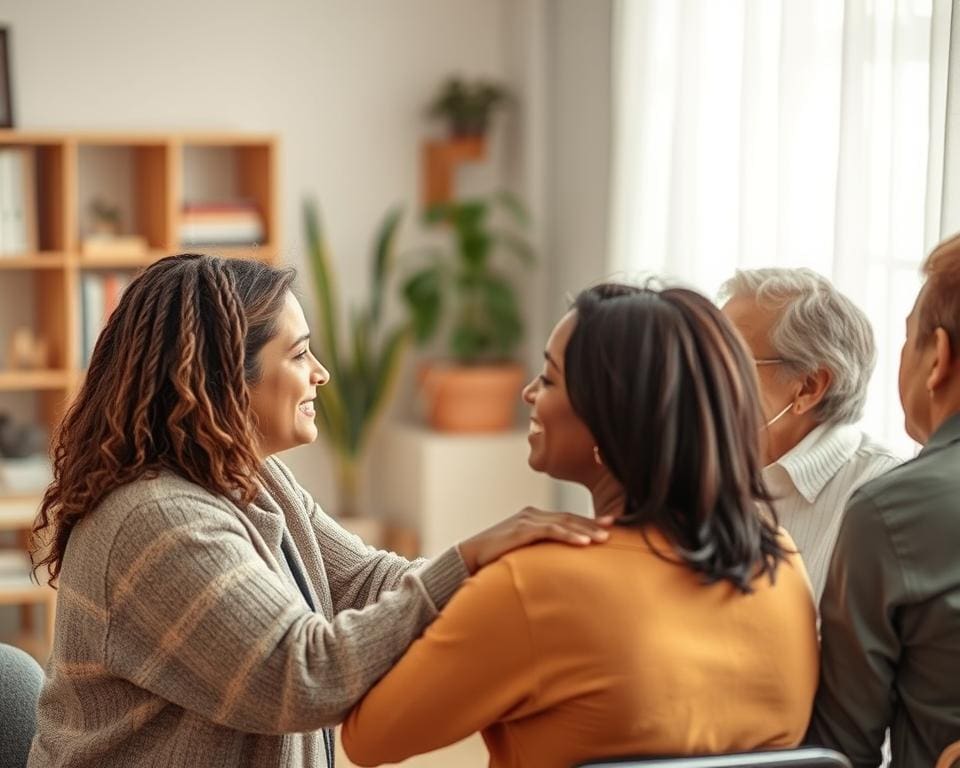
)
(18, 511)
(14, 381)
(48, 260)
(264, 252)
(150, 179)
(24, 594)
(136, 261)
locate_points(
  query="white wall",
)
(579, 82)
(342, 82)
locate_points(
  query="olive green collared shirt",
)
(891, 614)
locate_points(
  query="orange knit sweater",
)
(559, 654)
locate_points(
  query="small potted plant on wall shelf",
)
(467, 106)
(460, 290)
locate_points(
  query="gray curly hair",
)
(817, 327)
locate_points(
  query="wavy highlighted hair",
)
(167, 389)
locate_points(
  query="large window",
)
(756, 133)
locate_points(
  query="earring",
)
(596, 455)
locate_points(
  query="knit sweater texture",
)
(182, 639)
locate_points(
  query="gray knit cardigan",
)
(181, 640)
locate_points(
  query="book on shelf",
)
(113, 246)
(220, 223)
(18, 215)
(99, 295)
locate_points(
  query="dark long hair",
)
(670, 394)
(167, 388)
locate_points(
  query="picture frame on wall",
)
(6, 96)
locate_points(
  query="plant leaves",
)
(386, 376)
(326, 289)
(516, 245)
(347, 403)
(511, 203)
(475, 248)
(382, 261)
(506, 325)
(424, 298)
(468, 342)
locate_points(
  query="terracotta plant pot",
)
(474, 398)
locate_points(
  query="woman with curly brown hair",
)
(209, 612)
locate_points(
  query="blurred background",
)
(445, 175)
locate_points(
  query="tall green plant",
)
(363, 364)
(463, 280)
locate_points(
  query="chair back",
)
(950, 757)
(20, 681)
(804, 757)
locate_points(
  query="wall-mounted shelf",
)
(440, 162)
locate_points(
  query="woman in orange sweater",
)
(692, 631)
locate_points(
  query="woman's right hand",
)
(527, 526)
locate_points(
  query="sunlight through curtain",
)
(755, 133)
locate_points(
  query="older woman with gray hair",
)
(814, 352)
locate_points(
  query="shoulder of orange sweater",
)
(542, 562)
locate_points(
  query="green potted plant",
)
(461, 290)
(467, 106)
(362, 370)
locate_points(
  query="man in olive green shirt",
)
(891, 608)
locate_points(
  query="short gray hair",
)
(817, 327)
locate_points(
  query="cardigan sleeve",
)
(860, 643)
(359, 574)
(473, 667)
(196, 616)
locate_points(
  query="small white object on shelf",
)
(14, 568)
(29, 475)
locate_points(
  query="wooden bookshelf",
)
(149, 176)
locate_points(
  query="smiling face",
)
(282, 397)
(560, 443)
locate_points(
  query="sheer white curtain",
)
(754, 133)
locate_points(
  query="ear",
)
(942, 360)
(814, 388)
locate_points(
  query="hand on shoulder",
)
(528, 526)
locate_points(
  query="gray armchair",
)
(20, 681)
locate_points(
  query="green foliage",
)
(363, 370)
(462, 280)
(467, 106)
